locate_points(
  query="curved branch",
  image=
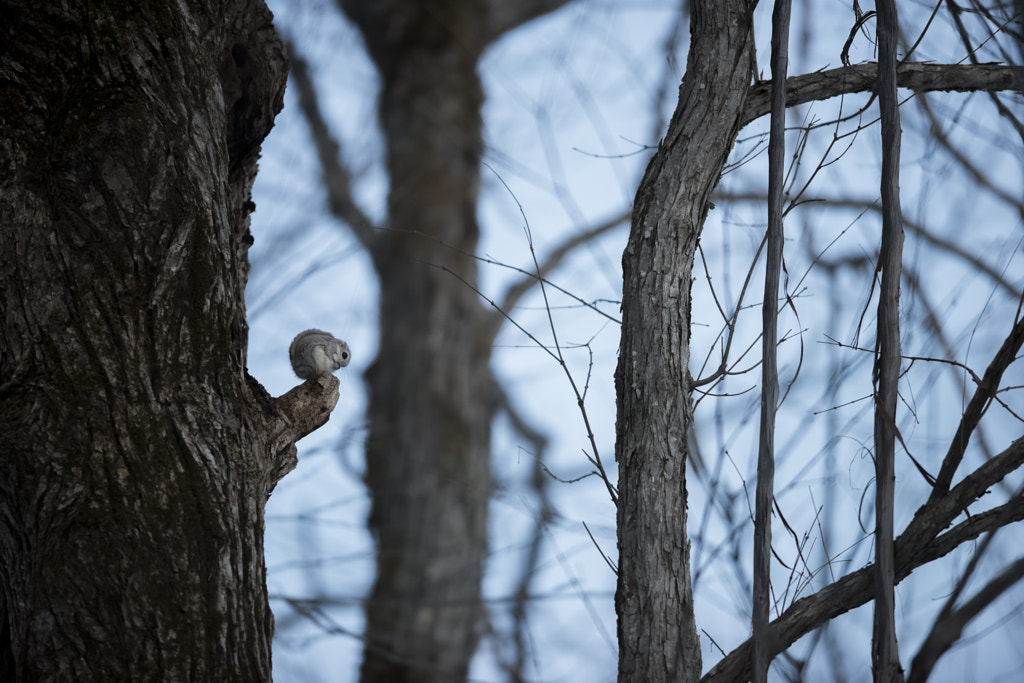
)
(983, 395)
(517, 291)
(916, 76)
(918, 545)
(308, 406)
(290, 417)
(947, 630)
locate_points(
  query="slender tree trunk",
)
(654, 599)
(765, 493)
(137, 454)
(885, 649)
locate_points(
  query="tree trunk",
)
(431, 390)
(654, 599)
(428, 449)
(885, 653)
(774, 240)
(137, 453)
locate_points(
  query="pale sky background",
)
(571, 117)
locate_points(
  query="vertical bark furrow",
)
(134, 451)
(654, 600)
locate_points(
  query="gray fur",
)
(314, 352)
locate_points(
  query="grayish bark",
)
(916, 76)
(137, 452)
(429, 413)
(765, 493)
(654, 600)
(885, 656)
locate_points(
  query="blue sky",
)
(575, 104)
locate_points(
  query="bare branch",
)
(308, 405)
(955, 13)
(915, 76)
(503, 16)
(336, 176)
(914, 548)
(961, 584)
(921, 542)
(983, 395)
(557, 356)
(517, 291)
(948, 629)
(299, 412)
(977, 175)
(545, 513)
(918, 229)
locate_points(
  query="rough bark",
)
(654, 600)
(137, 452)
(916, 76)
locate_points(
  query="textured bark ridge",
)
(654, 598)
(137, 454)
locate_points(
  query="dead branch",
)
(916, 76)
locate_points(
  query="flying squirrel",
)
(314, 352)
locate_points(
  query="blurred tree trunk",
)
(137, 453)
(431, 398)
(654, 599)
(429, 416)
